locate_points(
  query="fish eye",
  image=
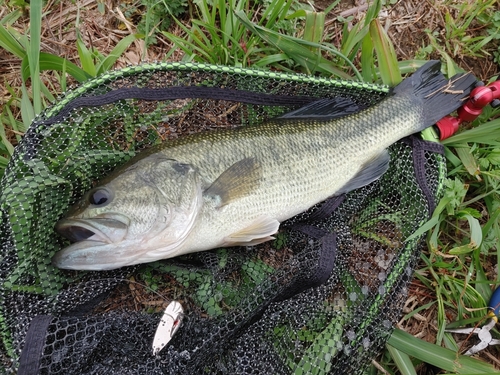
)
(100, 197)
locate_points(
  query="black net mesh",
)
(275, 308)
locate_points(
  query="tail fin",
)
(436, 94)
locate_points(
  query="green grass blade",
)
(488, 133)
(27, 110)
(230, 28)
(450, 65)
(440, 311)
(314, 27)
(275, 12)
(450, 343)
(3, 164)
(147, 27)
(373, 11)
(387, 59)
(468, 160)
(47, 94)
(86, 58)
(332, 6)
(10, 44)
(298, 49)
(85, 55)
(207, 43)
(4, 142)
(15, 124)
(367, 63)
(402, 361)
(62, 77)
(202, 11)
(115, 54)
(494, 218)
(271, 59)
(409, 66)
(476, 236)
(34, 53)
(438, 356)
(52, 62)
(11, 17)
(434, 220)
(482, 284)
(483, 41)
(223, 17)
(351, 40)
(190, 48)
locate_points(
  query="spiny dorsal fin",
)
(324, 109)
(260, 230)
(369, 172)
(239, 180)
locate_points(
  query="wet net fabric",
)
(320, 299)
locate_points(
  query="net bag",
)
(320, 299)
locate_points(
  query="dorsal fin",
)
(325, 109)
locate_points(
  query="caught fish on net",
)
(253, 215)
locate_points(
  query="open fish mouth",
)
(106, 229)
(94, 239)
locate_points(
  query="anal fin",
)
(369, 172)
(260, 230)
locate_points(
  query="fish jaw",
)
(105, 244)
(93, 255)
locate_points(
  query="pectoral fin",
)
(257, 232)
(369, 172)
(239, 180)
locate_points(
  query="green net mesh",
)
(258, 310)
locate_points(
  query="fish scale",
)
(234, 187)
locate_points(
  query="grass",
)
(457, 273)
(455, 39)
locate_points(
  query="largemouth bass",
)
(234, 187)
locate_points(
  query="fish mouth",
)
(106, 228)
(95, 242)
